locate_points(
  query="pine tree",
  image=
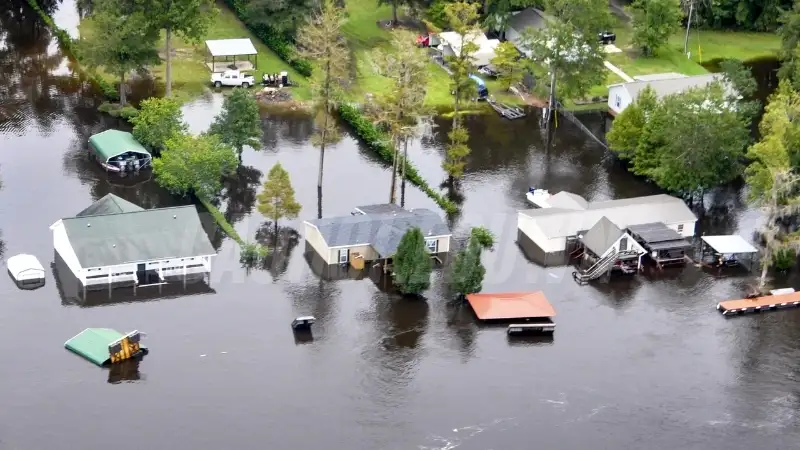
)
(468, 271)
(412, 264)
(277, 201)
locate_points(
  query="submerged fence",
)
(572, 118)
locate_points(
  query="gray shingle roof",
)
(109, 204)
(668, 86)
(601, 236)
(529, 17)
(382, 231)
(561, 222)
(111, 239)
(655, 232)
(381, 208)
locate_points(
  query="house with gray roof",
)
(116, 241)
(373, 232)
(570, 216)
(528, 18)
(623, 94)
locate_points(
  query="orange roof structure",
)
(510, 305)
(760, 303)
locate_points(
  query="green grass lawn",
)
(704, 46)
(190, 76)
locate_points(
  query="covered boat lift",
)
(725, 250)
(231, 48)
(104, 346)
(532, 308)
(117, 151)
(26, 270)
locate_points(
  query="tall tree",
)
(412, 268)
(239, 122)
(121, 42)
(626, 131)
(281, 16)
(188, 19)
(462, 18)
(508, 64)
(569, 47)
(194, 165)
(158, 120)
(654, 21)
(321, 40)
(396, 4)
(277, 201)
(468, 271)
(401, 108)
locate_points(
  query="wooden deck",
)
(758, 304)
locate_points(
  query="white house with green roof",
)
(114, 241)
(117, 151)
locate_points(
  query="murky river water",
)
(643, 363)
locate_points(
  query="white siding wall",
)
(685, 229)
(632, 245)
(317, 242)
(530, 229)
(64, 248)
(618, 99)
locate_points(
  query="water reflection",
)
(280, 243)
(125, 372)
(239, 193)
(285, 127)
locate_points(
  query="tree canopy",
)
(689, 143)
(282, 16)
(654, 21)
(239, 122)
(158, 120)
(468, 270)
(411, 267)
(508, 64)
(277, 201)
(194, 165)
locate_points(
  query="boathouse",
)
(606, 247)
(551, 228)
(373, 233)
(664, 245)
(530, 310)
(115, 241)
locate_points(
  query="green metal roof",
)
(109, 204)
(92, 344)
(137, 236)
(111, 143)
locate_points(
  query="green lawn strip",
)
(380, 143)
(220, 219)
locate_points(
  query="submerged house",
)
(623, 94)
(566, 219)
(117, 151)
(115, 241)
(373, 233)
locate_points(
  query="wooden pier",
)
(507, 111)
(759, 304)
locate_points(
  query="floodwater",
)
(640, 363)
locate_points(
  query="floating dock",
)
(759, 304)
(507, 111)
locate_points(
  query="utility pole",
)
(552, 102)
(688, 27)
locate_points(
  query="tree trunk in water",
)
(392, 197)
(322, 149)
(275, 238)
(122, 98)
(319, 202)
(168, 71)
(394, 12)
(764, 268)
(403, 176)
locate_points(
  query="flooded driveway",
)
(640, 363)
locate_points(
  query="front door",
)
(344, 255)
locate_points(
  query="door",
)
(344, 255)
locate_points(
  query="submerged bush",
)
(253, 254)
(784, 259)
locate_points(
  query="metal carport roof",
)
(231, 47)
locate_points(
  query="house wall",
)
(62, 245)
(549, 245)
(618, 99)
(685, 229)
(444, 244)
(632, 245)
(317, 242)
(366, 251)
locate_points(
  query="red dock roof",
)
(510, 305)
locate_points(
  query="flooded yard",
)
(637, 363)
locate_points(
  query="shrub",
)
(105, 107)
(128, 112)
(483, 236)
(378, 142)
(784, 259)
(253, 254)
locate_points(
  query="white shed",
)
(451, 45)
(26, 270)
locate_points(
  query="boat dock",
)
(507, 111)
(531, 311)
(778, 300)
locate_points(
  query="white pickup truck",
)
(232, 78)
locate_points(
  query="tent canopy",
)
(231, 47)
(729, 244)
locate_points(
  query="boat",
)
(26, 271)
(538, 197)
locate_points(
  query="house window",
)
(433, 245)
(623, 244)
(680, 228)
(344, 255)
(618, 100)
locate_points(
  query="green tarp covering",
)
(92, 344)
(111, 143)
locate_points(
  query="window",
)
(432, 244)
(623, 244)
(344, 255)
(618, 100)
(680, 228)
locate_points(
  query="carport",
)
(230, 49)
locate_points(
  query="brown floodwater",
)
(636, 363)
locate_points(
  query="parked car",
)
(607, 37)
(232, 78)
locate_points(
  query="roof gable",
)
(601, 236)
(109, 204)
(138, 236)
